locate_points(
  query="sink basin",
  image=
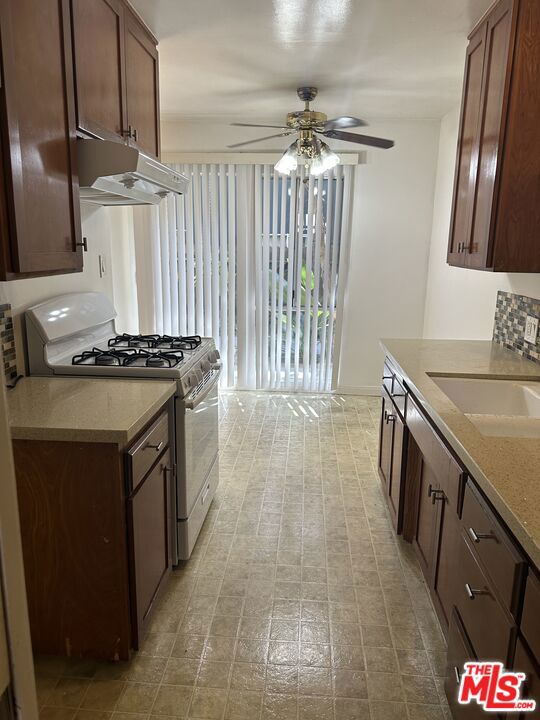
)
(496, 407)
(492, 397)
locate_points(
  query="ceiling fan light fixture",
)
(288, 161)
(326, 160)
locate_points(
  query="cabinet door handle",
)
(457, 674)
(390, 418)
(157, 447)
(83, 244)
(476, 537)
(472, 593)
(435, 494)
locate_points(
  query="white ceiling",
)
(243, 59)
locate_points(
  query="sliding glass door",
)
(253, 259)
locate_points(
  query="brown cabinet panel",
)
(498, 554)
(518, 212)
(490, 133)
(142, 88)
(467, 153)
(445, 571)
(98, 40)
(148, 519)
(143, 453)
(525, 662)
(73, 527)
(459, 652)
(480, 609)
(395, 488)
(385, 441)
(425, 529)
(37, 118)
(530, 619)
(495, 212)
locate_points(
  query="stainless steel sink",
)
(496, 407)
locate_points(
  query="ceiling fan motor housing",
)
(306, 119)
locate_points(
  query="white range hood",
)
(111, 173)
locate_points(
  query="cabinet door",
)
(148, 519)
(425, 527)
(467, 152)
(499, 25)
(459, 652)
(38, 117)
(142, 87)
(98, 45)
(445, 573)
(386, 434)
(394, 489)
(525, 662)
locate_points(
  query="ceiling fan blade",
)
(268, 137)
(360, 139)
(345, 121)
(279, 127)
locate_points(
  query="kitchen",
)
(365, 521)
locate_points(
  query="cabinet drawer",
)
(530, 620)
(524, 662)
(501, 559)
(459, 652)
(489, 626)
(446, 469)
(146, 450)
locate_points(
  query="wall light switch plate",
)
(531, 329)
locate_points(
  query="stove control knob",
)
(206, 365)
(216, 355)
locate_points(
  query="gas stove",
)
(76, 335)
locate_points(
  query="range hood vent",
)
(111, 173)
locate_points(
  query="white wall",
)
(390, 236)
(391, 230)
(102, 227)
(461, 303)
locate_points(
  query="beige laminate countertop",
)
(507, 469)
(84, 409)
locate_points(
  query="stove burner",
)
(159, 359)
(102, 357)
(165, 359)
(188, 342)
(147, 341)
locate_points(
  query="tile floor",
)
(298, 603)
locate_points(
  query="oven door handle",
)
(192, 404)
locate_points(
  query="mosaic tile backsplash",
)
(7, 339)
(509, 329)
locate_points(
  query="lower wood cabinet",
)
(95, 541)
(392, 454)
(459, 652)
(148, 517)
(484, 590)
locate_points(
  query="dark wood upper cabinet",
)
(116, 87)
(142, 87)
(40, 219)
(101, 102)
(495, 211)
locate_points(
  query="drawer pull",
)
(457, 674)
(157, 447)
(476, 537)
(435, 494)
(472, 593)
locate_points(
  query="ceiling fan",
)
(308, 147)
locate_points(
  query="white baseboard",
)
(372, 390)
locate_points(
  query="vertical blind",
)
(251, 258)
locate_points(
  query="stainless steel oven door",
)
(197, 440)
